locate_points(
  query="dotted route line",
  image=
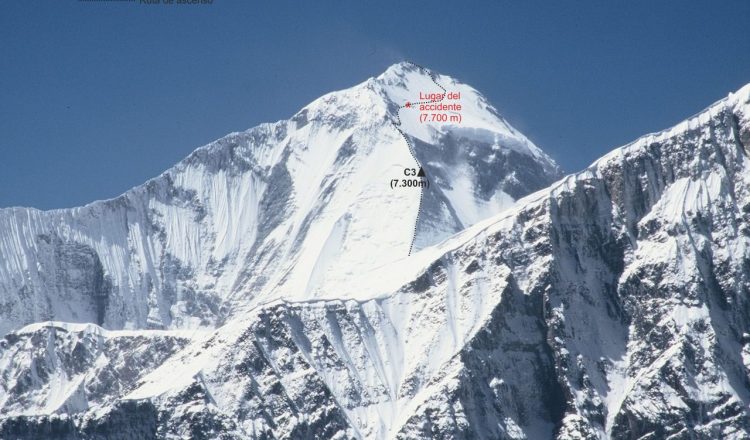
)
(410, 104)
(397, 126)
(419, 212)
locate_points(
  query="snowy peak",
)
(405, 83)
(293, 209)
(477, 164)
(611, 304)
(396, 94)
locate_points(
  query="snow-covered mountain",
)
(611, 304)
(287, 210)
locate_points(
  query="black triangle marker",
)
(421, 173)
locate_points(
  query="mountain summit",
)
(264, 286)
(290, 210)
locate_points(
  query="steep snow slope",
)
(290, 210)
(613, 304)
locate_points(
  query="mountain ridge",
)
(609, 304)
(175, 250)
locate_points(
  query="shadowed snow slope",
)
(284, 210)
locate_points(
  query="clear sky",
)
(97, 97)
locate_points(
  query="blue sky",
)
(96, 98)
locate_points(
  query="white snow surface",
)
(608, 305)
(284, 210)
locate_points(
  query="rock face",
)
(53, 370)
(612, 304)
